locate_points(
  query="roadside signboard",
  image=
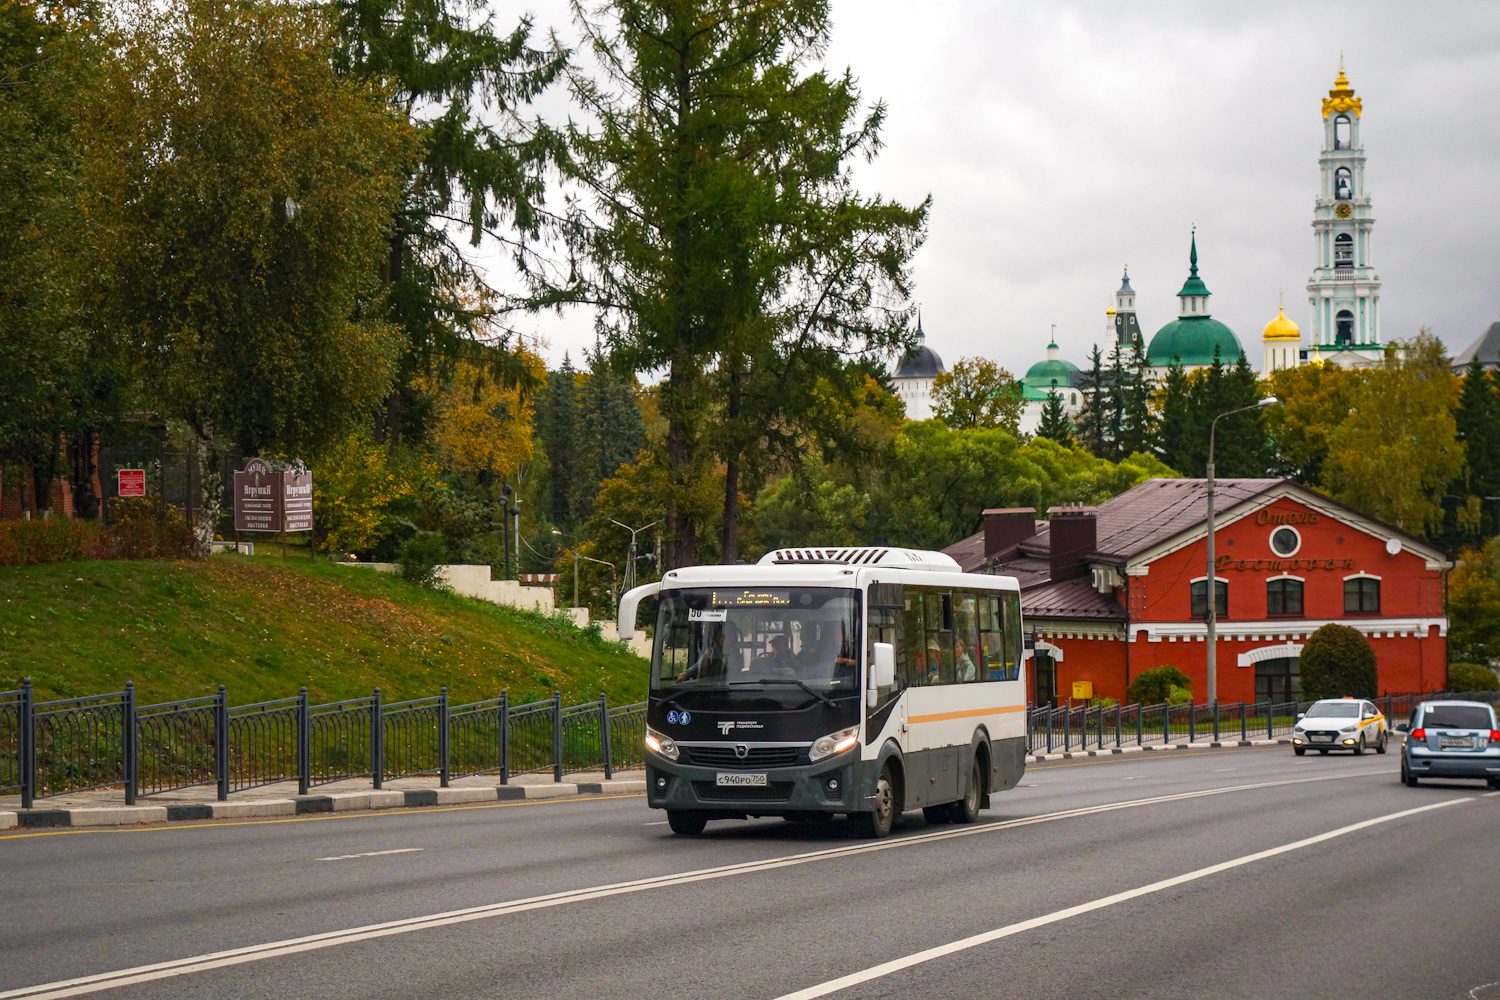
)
(296, 500)
(131, 483)
(1083, 690)
(257, 497)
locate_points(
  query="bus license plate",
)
(736, 779)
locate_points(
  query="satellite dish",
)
(1392, 546)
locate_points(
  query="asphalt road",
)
(1238, 873)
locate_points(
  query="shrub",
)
(1159, 684)
(421, 555)
(148, 528)
(59, 539)
(1337, 661)
(1472, 677)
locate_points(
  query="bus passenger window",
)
(938, 609)
(992, 638)
(966, 637)
(914, 667)
(1010, 601)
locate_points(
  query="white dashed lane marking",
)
(372, 854)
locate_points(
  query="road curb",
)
(332, 802)
(1153, 748)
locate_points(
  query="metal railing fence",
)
(1059, 729)
(104, 741)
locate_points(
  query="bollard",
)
(557, 736)
(608, 754)
(1244, 724)
(505, 737)
(377, 739)
(128, 759)
(27, 720)
(304, 744)
(1216, 722)
(221, 743)
(443, 736)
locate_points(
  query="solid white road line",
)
(372, 854)
(897, 965)
(329, 939)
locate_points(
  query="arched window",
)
(1344, 327)
(1343, 184)
(1341, 132)
(1343, 250)
(1283, 596)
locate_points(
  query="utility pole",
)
(1211, 585)
(630, 562)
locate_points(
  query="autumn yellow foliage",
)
(481, 425)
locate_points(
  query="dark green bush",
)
(1472, 677)
(1154, 686)
(421, 555)
(1338, 661)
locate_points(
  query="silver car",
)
(1451, 739)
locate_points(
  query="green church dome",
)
(1192, 340)
(1049, 373)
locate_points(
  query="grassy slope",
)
(264, 627)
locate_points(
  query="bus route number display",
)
(750, 598)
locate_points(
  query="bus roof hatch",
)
(864, 556)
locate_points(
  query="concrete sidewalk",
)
(104, 807)
(1156, 748)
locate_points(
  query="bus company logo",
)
(725, 727)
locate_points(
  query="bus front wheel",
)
(686, 823)
(878, 821)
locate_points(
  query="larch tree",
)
(718, 233)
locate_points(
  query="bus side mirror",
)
(883, 666)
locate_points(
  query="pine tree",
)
(1478, 418)
(1244, 443)
(1055, 423)
(1138, 429)
(1115, 384)
(1090, 425)
(611, 430)
(558, 428)
(1179, 429)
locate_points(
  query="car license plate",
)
(1450, 742)
(1316, 738)
(735, 779)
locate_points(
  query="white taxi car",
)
(1340, 724)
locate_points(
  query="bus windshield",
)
(758, 638)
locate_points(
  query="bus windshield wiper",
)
(763, 681)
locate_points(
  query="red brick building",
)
(1119, 588)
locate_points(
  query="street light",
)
(1211, 585)
(630, 563)
(573, 536)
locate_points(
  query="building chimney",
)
(1007, 527)
(1073, 536)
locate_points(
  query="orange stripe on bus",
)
(972, 713)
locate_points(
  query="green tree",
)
(1471, 677)
(1091, 419)
(239, 192)
(1179, 430)
(1138, 427)
(462, 85)
(1116, 384)
(810, 508)
(1243, 444)
(976, 392)
(1315, 400)
(720, 236)
(1337, 661)
(1398, 450)
(1477, 420)
(612, 427)
(1474, 605)
(1055, 425)
(558, 422)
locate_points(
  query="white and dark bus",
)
(823, 681)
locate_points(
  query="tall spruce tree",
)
(1091, 419)
(558, 426)
(1116, 384)
(1478, 419)
(1055, 423)
(612, 431)
(1179, 430)
(1138, 426)
(1243, 446)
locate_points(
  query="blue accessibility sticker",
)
(672, 716)
(683, 718)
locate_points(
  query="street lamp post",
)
(573, 536)
(1211, 585)
(630, 563)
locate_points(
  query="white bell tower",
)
(1344, 289)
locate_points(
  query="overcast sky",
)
(1062, 140)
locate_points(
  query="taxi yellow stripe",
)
(969, 714)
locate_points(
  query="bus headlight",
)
(659, 743)
(827, 746)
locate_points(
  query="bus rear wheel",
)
(687, 823)
(878, 821)
(966, 809)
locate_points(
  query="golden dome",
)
(1282, 328)
(1110, 311)
(1341, 98)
